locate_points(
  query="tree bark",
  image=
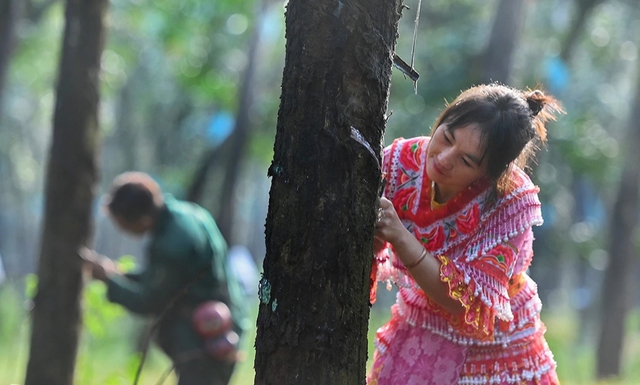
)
(505, 33)
(71, 179)
(314, 308)
(618, 291)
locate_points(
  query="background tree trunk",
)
(9, 15)
(230, 154)
(71, 179)
(314, 308)
(239, 139)
(584, 8)
(11, 11)
(618, 291)
(498, 58)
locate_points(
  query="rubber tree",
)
(70, 184)
(314, 303)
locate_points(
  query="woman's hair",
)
(132, 196)
(511, 124)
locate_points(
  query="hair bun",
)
(536, 101)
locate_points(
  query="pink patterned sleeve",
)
(383, 269)
(524, 245)
(481, 286)
(380, 269)
(388, 168)
(400, 156)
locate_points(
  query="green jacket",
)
(187, 265)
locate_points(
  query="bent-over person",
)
(186, 282)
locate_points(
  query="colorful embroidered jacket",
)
(485, 249)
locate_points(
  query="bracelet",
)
(417, 261)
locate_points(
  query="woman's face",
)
(455, 159)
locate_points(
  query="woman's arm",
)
(424, 268)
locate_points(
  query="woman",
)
(454, 233)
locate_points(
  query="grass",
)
(109, 359)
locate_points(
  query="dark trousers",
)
(184, 346)
(204, 370)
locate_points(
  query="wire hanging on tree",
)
(400, 64)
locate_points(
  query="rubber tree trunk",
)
(71, 179)
(498, 58)
(618, 290)
(314, 308)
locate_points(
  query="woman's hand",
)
(389, 228)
